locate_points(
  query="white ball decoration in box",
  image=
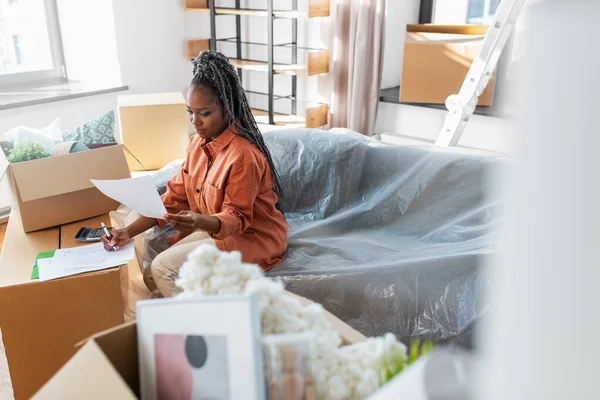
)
(340, 372)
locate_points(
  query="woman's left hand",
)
(185, 221)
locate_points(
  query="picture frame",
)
(200, 348)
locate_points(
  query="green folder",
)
(44, 254)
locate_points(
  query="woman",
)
(227, 189)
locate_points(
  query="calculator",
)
(90, 234)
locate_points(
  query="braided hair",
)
(213, 71)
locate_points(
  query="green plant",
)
(27, 151)
(396, 360)
(417, 349)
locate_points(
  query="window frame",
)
(58, 73)
(427, 11)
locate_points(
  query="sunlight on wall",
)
(89, 42)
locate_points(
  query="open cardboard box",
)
(154, 129)
(436, 60)
(57, 190)
(106, 365)
(42, 321)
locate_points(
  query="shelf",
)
(314, 9)
(290, 46)
(314, 117)
(317, 62)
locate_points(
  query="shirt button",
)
(197, 190)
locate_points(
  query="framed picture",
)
(205, 348)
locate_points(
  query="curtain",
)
(357, 40)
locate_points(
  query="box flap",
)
(87, 375)
(54, 176)
(136, 100)
(120, 346)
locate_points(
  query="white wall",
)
(71, 112)
(151, 44)
(89, 44)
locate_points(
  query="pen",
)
(108, 235)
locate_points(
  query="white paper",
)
(77, 260)
(139, 194)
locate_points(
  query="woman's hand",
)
(185, 221)
(119, 237)
(188, 221)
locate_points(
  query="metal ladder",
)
(462, 105)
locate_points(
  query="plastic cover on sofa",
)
(388, 238)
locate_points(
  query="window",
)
(481, 11)
(30, 46)
(458, 12)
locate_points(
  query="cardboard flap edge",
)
(73, 379)
(55, 176)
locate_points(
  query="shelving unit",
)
(315, 61)
(263, 13)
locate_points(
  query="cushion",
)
(98, 130)
(320, 171)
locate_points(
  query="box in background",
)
(106, 366)
(436, 61)
(57, 190)
(154, 129)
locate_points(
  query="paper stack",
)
(77, 260)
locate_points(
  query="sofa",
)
(387, 238)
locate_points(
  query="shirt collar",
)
(221, 141)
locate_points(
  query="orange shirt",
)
(229, 178)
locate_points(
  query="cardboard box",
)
(42, 321)
(106, 366)
(57, 190)
(436, 62)
(154, 129)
